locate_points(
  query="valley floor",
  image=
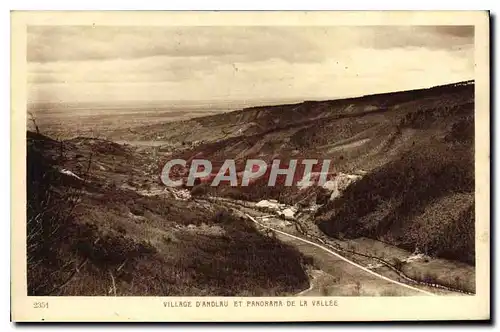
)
(333, 274)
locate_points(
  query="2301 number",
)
(41, 305)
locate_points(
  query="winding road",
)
(331, 272)
(331, 252)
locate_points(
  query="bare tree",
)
(32, 118)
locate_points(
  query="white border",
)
(188, 4)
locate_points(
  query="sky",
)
(216, 63)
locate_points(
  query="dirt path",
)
(347, 277)
(297, 229)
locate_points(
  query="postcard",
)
(250, 166)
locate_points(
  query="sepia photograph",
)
(285, 163)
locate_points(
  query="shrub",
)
(397, 263)
(199, 190)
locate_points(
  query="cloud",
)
(152, 69)
(78, 63)
(433, 37)
(75, 43)
(294, 44)
(464, 31)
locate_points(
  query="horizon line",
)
(243, 100)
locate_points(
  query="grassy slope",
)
(422, 199)
(419, 192)
(83, 237)
(417, 147)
